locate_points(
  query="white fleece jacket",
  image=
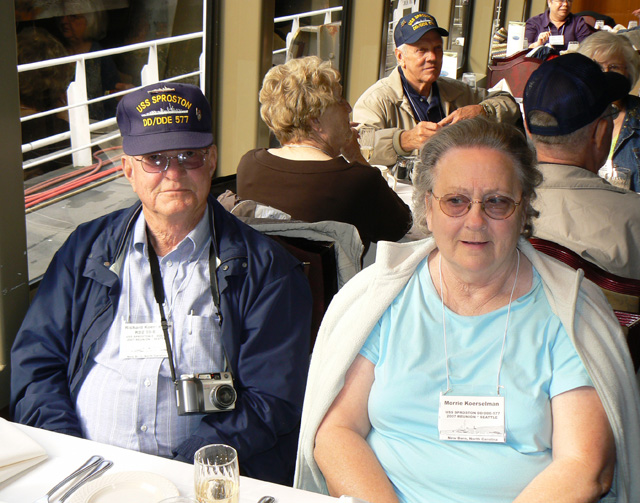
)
(579, 303)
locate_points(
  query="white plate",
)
(141, 487)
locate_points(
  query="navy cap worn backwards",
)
(573, 90)
(164, 116)
(413, 26)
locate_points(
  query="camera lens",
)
(223, 396)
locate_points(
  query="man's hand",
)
(468, 112)
(415, 138)
(543, 38)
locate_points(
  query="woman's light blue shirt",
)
(407, 348)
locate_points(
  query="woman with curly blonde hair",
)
(318, 173)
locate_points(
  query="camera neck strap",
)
(159, 294)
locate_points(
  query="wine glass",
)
(366, 138)
(216, 474)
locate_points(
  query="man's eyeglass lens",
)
(495, 206)
(156, 163)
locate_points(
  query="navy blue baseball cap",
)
(573, 90)
(164, 116)
(413, 26)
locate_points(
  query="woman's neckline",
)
(301, 152)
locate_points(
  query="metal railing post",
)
(149, 73)
(79, 116)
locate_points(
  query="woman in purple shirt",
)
(557, 21)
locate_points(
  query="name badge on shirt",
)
(472, 418)
(142, 340)
(556, 39)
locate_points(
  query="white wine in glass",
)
(218, 490)
(366, 152)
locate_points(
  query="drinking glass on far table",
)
(216, 474)
(469, 79)
(616, 175)
(366, 138)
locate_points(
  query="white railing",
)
(80, 128)
(296, 23)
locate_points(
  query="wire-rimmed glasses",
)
(158, 163)
(495, 206)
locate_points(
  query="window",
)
(76, 59)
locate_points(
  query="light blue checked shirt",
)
(131, 402)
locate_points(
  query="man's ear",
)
(127, 167)
(602, 134)
(400, 58)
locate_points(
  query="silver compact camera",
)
(204, 393)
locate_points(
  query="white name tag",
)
(556, 39)
(472, 418)
(142, 340)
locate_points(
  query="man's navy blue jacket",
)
(266, 310)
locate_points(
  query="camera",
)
(204, 393)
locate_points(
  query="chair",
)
(622, 293)
(515, 69)
(319, 264)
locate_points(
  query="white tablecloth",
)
(67, 453)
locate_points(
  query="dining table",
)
(65, 453)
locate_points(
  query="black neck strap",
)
(158, 292)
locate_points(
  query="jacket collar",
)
(107, 252)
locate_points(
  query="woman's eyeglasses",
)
(158, 163)
(495, 206)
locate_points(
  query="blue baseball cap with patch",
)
(413, 26)
(164, 116)
(573, 90)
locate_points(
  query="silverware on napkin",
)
(92, 468)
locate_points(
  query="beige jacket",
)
(586, 214)
(385, 107)
(580, 304)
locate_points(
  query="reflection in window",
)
(459, 28)
(308, 28)
(396, 9)
(71, 145)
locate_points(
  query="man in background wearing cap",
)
(568, 113)
(91, 359)
(413, 102)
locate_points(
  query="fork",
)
(91, 465)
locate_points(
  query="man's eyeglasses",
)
(560, 2)
(158, 163)
(495, 206)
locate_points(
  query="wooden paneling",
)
(620, 10)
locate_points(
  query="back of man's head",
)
(566, 94)
(164, 116)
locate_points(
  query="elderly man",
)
(171, 324)
(413, 102)
(568, 113)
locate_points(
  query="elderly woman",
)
(468, 367)
(318, 172)
(557, 26)
(614, 53)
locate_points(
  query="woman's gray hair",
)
(476, 132)
(607, 45)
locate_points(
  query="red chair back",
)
(623, 293)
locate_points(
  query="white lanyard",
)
(444, 326)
